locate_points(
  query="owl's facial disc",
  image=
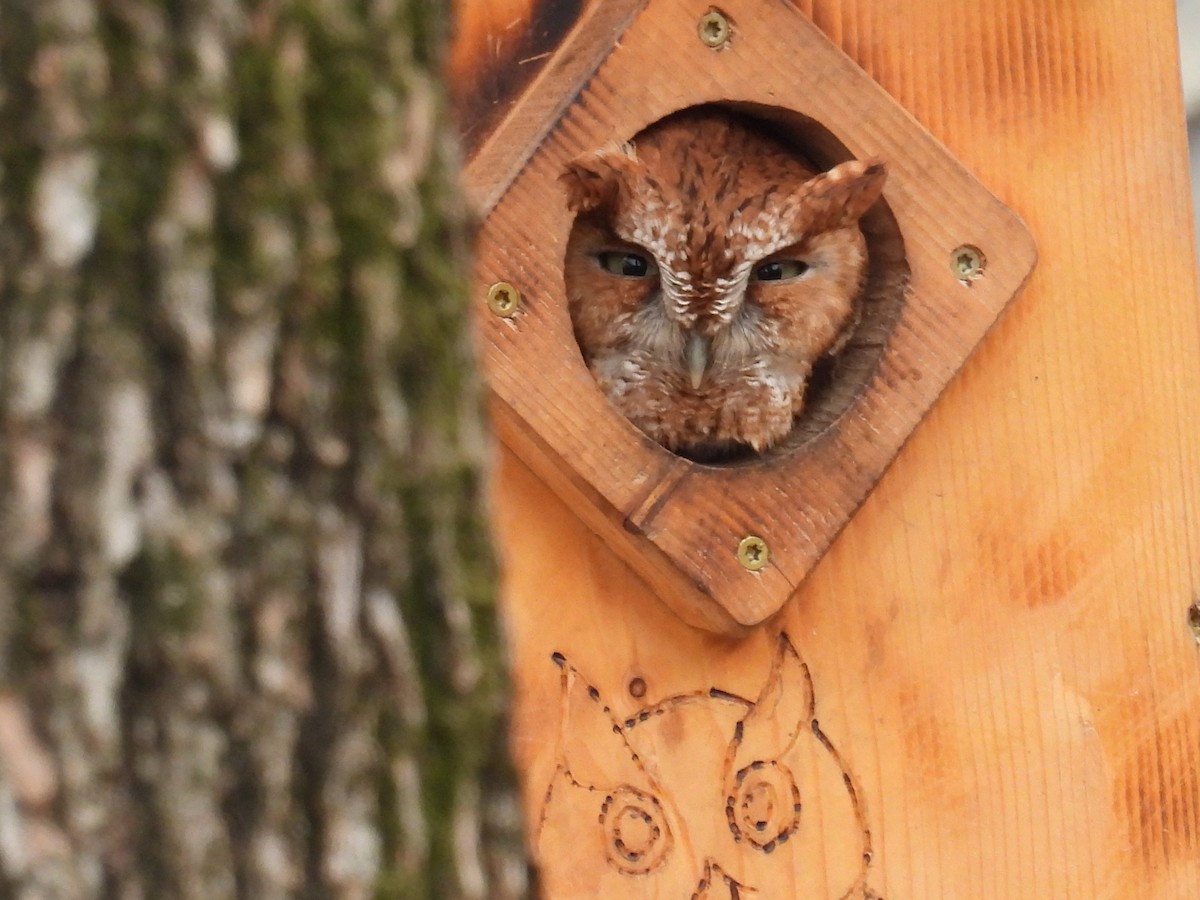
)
(703, 306)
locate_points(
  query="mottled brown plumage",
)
(708, 270)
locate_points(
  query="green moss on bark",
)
(292, 310)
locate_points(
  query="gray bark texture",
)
(247, 641)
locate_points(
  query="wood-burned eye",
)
(625, 264)
(780, 270)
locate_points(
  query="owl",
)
(708, 270)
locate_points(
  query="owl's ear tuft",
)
(595, 179)
(842, 196)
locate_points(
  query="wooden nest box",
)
(725, 546)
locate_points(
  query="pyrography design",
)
(702, 795)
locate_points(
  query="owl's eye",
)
(628, 265)
(780, 270)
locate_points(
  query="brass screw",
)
(968, 263)
(714, 29)
(503, 299)
(753, 552)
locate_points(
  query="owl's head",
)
(706, 252)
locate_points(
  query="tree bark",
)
(247, 642)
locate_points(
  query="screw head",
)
(503, 299)
(714, 29)
(753, 552)
(968, 263)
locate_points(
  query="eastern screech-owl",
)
(708, 270)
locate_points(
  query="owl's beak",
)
(698, 353)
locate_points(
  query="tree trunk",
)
(247, 646)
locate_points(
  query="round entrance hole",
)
(730, 300)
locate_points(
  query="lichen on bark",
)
(247, 644)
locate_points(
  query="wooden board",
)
(502, 46)
(679, 523)
(998, 642)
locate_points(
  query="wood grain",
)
(520, 121)
(997, 641)
(500, 47)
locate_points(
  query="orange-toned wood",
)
(678, 523)
(997, 642)
(500, 149)
(500, 46)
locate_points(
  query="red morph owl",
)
(709, 268)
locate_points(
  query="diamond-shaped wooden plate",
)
(676, 522)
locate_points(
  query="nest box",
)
(725, 546)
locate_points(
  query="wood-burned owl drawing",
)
(703, 795)
(709, 269)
